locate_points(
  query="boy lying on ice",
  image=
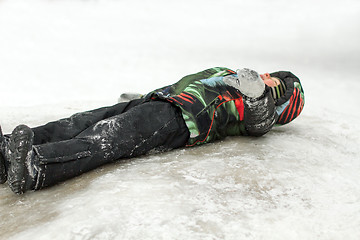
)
(198, 109)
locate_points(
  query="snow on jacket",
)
(213, 109)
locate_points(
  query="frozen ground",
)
(301, 181)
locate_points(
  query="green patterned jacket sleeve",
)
(211, 109)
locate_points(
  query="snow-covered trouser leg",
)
(67, 128)
(152, 125)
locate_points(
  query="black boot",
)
(21, 169)
(3, 159)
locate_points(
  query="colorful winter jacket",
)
(213, 109)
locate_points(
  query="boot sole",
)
(20, 145)
(3, 175)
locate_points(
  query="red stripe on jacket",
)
(240, 108)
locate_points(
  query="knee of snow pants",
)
(68, 128)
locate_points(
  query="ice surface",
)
(300, 181)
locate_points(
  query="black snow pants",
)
(71, 146)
